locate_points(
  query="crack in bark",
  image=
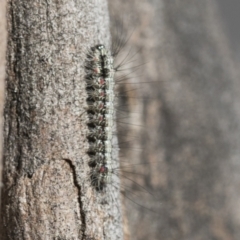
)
(82, 213)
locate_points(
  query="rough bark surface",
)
(190, 113)
(47, 192)
(3, 41)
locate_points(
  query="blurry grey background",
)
(230, 13)
(191, 120)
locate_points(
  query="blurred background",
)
(190, 112)
(229, 12)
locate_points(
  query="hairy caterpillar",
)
(101, 109)
(100, 89)
(128, 117)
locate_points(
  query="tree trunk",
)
(47, 192)
(3, 41)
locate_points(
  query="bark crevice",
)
(80, 201)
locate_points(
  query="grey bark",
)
(190, 114)
(3, 41)
(47, 192)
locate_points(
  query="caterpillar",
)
(101, 110)
(100, 89)
(109, 87)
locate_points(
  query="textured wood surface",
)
(47, 192)
(3, 41)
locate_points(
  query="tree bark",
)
(3, 41)
(47, 192)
